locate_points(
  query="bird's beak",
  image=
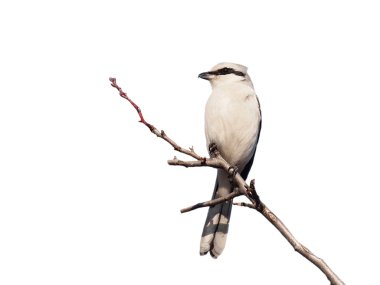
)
(205, 75)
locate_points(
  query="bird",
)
(233, 125)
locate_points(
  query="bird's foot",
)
(253, 194)
(212, 149)
(232, 170)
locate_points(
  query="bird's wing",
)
(247, 167)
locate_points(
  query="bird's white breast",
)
(232, 122)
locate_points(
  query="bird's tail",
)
(215, 230)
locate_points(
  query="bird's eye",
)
(224, 71)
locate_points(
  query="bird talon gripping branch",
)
(232, 170)
(253, 194)
(212, 149)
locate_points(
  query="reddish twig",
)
(161, 134)
(125, 96)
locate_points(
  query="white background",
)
(86, 195)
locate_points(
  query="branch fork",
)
(241, 188)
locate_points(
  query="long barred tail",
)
(215, 230)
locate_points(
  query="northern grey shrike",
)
(233, 123)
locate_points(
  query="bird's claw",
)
(232, 170)
(253, 194)
(212, 149)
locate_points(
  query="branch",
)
(125, 96)
(217, 161)
(153, 129)
(301, 249)
(212, 202)
(243, 204)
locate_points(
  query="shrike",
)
(233, 123)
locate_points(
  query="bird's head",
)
(225, 73)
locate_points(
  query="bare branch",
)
(153, 129)
(217, 161)
(243, 204)
(301, 249)
(212, 202)
(210, 162)
(125, 96)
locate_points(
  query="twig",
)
(212, 202)
(125, 96)
(242, 188)
(301, 249)
(153, 129)
(243, 204)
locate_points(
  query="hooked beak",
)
(205, 75)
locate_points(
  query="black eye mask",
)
(226, 70)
